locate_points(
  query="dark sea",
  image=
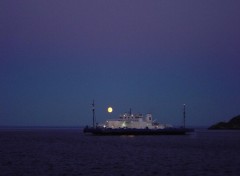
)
(67, 151)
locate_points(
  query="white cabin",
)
(137, 121)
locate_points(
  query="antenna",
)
(93, 110)
(184, 115)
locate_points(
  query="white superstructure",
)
(137, 121)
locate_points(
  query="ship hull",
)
(131, 131)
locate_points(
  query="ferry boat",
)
(135, 124)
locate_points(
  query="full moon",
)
(110, 109)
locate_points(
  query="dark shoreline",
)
(232, 124)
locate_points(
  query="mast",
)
(184, 115)
(93, 111)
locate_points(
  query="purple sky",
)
(152, 56)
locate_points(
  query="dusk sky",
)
(153, 56)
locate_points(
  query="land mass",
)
(233, 124)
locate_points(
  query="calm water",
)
(70, 152)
